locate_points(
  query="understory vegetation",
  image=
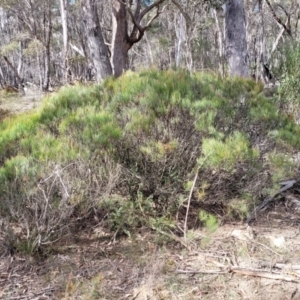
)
(126, 152)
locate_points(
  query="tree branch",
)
(183, 12)
(278, 20)
(136, 19)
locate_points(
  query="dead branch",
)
(267, 264)
(201, 272)
(286, 186)
(189, 203)
(243, 271)
(278, 20)
(262, 273)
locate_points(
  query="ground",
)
(236, 261)
(144, 268)
(16, 104)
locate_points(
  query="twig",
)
(173, 237)
(201, 271)
(31, 295)
(243, 271)
(189, 203)
(261, 273)
(268, 248)
(279, 265)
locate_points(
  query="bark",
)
(97, 48)
(236, 43)
(220, 36)
(122, 40)
(19, 80)
(120, 43)
(47, 53)
(64, 23)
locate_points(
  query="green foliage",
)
(9, 48)
(126, 215)
(219, 154)
(209, 220)
(130, 146)
(289, 73)
(238, 208)
(281, 166)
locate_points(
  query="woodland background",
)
(49, 43)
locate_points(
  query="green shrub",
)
(209, 220)
(128, 147)
(235, 149)
(288, 73)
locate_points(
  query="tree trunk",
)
(120, 45)
(47, 53)
(64, 23)
(97, 49)
(236, 43)
(19, 80)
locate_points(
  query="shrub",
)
(288, 73)
(128, 148)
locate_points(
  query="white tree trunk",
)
(64, 23)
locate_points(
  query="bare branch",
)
(148, 8)
(183, 12)
(137, 26)
(278, 20)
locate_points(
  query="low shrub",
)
(130, 147)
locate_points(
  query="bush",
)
(288, 72)
(129, 147)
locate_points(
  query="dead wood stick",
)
(286, 185)
(201, 272)
(261, 273)
(279, 265)
(31, 295)
(243, 271)
(188, 205)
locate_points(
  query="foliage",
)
(236, 147)
(127, 148)
(289, 70)
(210, 221)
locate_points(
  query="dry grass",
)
(91, 267)
(15, 103)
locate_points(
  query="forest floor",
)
(234, 262)
(14, 104)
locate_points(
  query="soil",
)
(15, 103)
(214, 267)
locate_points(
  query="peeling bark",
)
(96, 44)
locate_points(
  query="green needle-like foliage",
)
(130, 147)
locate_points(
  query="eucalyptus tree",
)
(64, 23)
(236, 42)
(130, 20)
(98, 50)
(34, 20)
